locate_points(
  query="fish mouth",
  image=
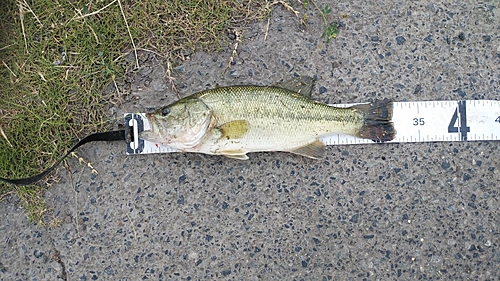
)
(155, 129)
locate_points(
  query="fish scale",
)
(260, 100)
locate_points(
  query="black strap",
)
(108, 136)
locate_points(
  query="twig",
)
(33, 13)
(5, 47)
(267, 28)
(116, 87)
(82, 16)
(93, 33)
(41, 76)
(140, 49)
(9, 69)
(170, 78)
(133, 228)
(5, 137)
(151, 51)
(129, 34)
(94, 13)
(289, 8)
(21, 17)
(234, 53)
(81, 160)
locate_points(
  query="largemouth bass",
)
(235, 120)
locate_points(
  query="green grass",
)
(56, 57)
(46, 102)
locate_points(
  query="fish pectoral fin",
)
(301, 85)
(314, 150)
(234, 129)
(236, 154)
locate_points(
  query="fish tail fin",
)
(377, 124)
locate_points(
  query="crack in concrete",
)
(57, 258)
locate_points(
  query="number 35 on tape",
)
(433, 121)
(471, 120)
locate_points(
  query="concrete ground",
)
(427, 211)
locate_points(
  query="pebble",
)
(38, 254)
(400, 40)
(460, 92)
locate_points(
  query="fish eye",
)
(165, 111)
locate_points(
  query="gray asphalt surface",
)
(368, 212)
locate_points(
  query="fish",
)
(235, 120)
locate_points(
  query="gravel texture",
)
(365, 212)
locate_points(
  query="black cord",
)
(107, 136)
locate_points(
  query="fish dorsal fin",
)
(234, 129)
(236, 154)
(301, 85)
(314, 150)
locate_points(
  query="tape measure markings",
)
(414, 121)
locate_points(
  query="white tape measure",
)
(418, 121)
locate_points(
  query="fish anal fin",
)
(236, 154)
(234, 129)
(314, 150)
(301, 85)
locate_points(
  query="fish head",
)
(181, 125)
